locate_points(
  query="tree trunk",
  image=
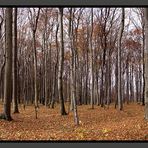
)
(61, 65)
(45, 77)
(146, 64)
(73, 71)
(127, 82)
(91, 62)
(143, 54)
(35, 75)
(8, 67)
(15, 96)
(34, 23)
(120, 105)
(56, 69)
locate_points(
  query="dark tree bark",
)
(8, 67)
(15, 96)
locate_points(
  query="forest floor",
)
(98, 124)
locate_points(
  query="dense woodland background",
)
(73, 56)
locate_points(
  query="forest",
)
(69, 73)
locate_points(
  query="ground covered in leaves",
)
(97, 124)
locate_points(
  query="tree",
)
(73, 69)
(2, 55)
(140, 14)
(61, 64)
(33, 23)
(146, 64)
(91, 61)
(120, 104)
(56, 68)
(15, 96)
(8, 67)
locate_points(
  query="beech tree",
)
(33, 24)
(91, 61)
(2, 53)
(146, 64)
(61, 64)
(69, 55)
(6, 115)
(120, 104)
(73, 68)
(15, 83)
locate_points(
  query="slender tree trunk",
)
(61, 65)
(127, 83)
(86, 80)
(91, 62)
(108, 80)
(34, 28)
(102, 89)
(45, 66)
(137, 84)
(146, 64)
(15, 96)
(120, 105)
(35, 75)
(45, 78)
(143, 54)
(116, 82)
(73, 71)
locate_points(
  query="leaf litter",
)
(97, 124)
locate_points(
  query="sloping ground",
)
(97, 124)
